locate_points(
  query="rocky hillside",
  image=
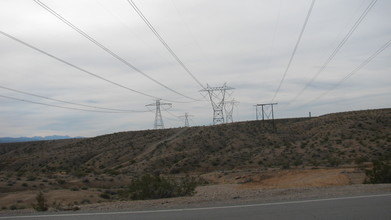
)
(329, 140)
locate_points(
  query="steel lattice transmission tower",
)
(229, 109)
(158, 114)
(186, 116)
(217, 97)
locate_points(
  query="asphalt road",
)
(357, 207)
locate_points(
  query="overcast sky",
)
(246, 44)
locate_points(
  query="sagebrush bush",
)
(41, 204)
(381, 172)
(155, 187)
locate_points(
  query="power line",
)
(359, 67)
(146, 21)
(57, 106)
(176, 117)
(269, 59)
(72, 65)
(116, 56)
(67, 102)
(336, 50)
(81, 69)
(294, 50)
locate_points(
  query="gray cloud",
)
(246, 44)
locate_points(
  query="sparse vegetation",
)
(155, 187)
(41, 204)
(381, 172)
(108, 163)
(105, 195)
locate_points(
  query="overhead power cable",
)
(294, 50)
(169, 112)
(72, 65)
(81, 69)
(154, 31)
(57, 106)
(116, 56)
(67, 102)
(359, 67)
(336, 50)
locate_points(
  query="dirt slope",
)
(330, 140)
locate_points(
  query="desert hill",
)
(329, 140)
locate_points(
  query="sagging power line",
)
(81, 69)
(116, 56)
(57, 106)
(294, 50)
(72, 65)
(337, 49)
(67, 102)
(154, 31)
(359, 67)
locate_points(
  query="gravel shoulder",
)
(230, 194)
(233, 194)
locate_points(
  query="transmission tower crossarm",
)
(266, 104)
(209, 88)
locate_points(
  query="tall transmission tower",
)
(158, 114)
(186, 116)
(229, 109)
(217, 97)
(261, 110)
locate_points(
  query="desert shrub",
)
(58, 206)
(333, 161)
(105, 195)
(13, 207)
(60, 181)
(85, 201)
(41, 204)
(360, 160)
(31, 178)
(155, 187)
(298, 162)
(285, 165)
(79, 173)
(381, 172)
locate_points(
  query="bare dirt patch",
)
(292, 178)
(302, 178)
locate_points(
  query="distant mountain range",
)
(36, 138)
